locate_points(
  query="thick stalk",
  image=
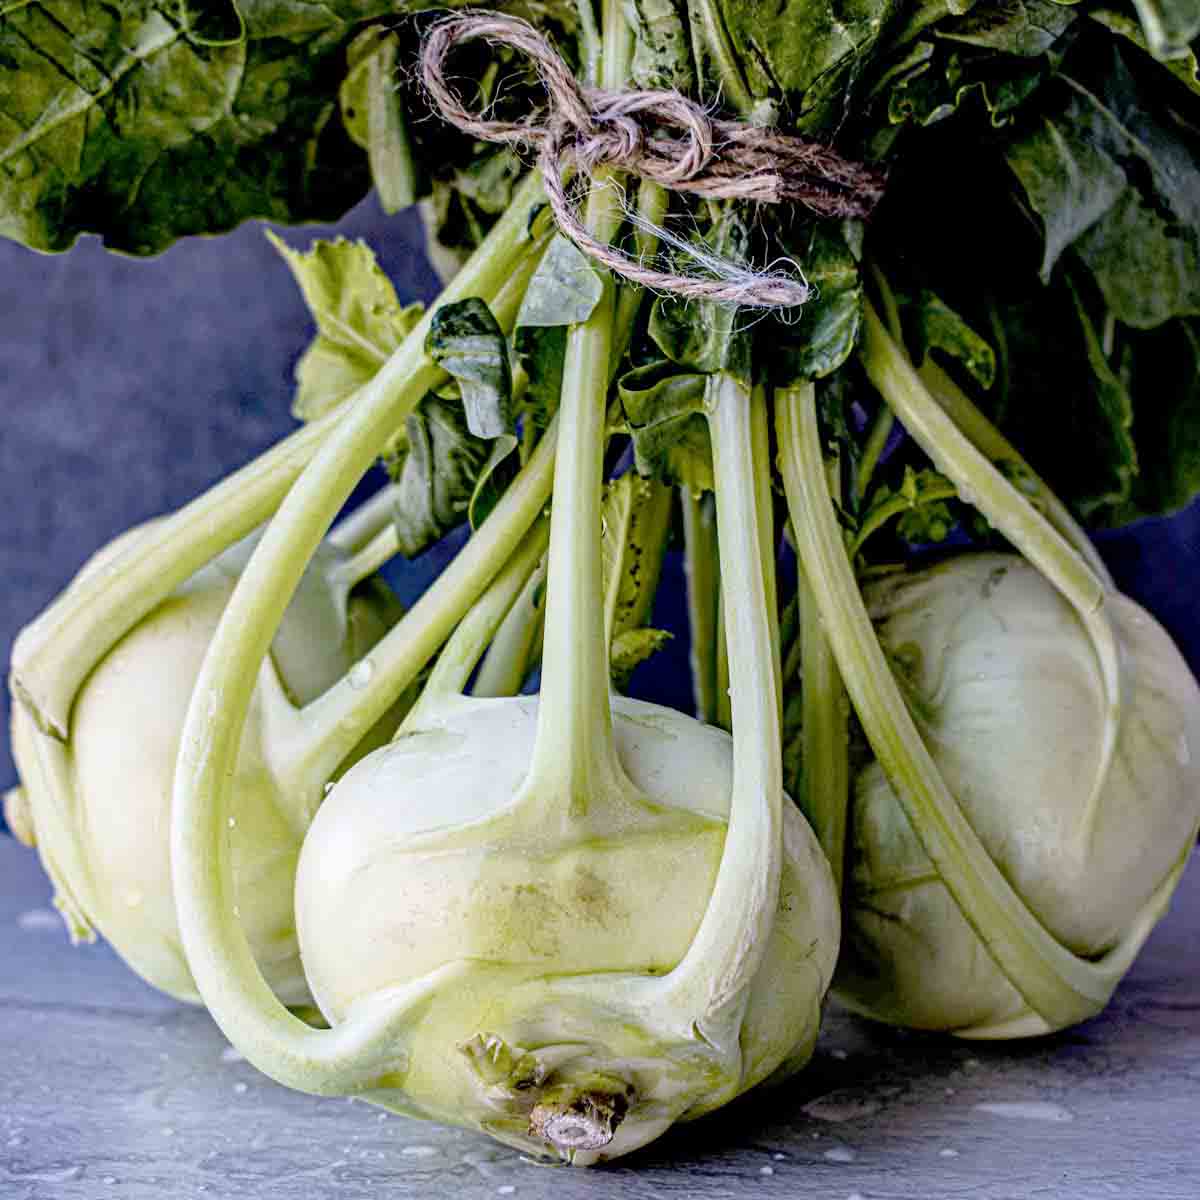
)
(1060, 988)
(475, 631)
(979, 483)
(55, 653)
(825, 741)
(573, 752)
(508, 660)
(710, 985)
(989, 441)
(701, 571)
(361, 526)
(367, 560)
(366, 1050)
(331, 726)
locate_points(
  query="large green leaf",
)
(145, 121)
(1114, 173)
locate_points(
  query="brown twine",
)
(658, 135)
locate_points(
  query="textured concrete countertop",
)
(108, 1089)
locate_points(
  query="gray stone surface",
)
(108, 1089)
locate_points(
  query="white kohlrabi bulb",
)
(396, 882)
(1004, 683)
(119, 763)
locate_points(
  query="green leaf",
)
(144, 122)
(827, 330)
(466, 340)
(1183, 65)
(564, 290)
(1114, 172)
(497, 472)
(1160, 370)
(664, 410)
(938, 327)
(1025, 28)
(631, 648)
(792, 62)
(373, 114)
(360, 321)
(437, 474)
(702, 335)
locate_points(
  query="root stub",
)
(585, 1121)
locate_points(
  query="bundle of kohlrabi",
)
(573, 919)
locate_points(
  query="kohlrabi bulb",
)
(118, 763)
(1004, 684)
(407, 872)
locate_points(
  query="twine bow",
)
(661, 136)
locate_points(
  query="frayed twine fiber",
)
(658, 135)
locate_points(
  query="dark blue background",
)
(128, 386)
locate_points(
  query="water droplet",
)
(110, 1179)
(766, 1170)
(779, 1157)
(840, 1055)
(419, 1151)
(233, 822)
(237, 912)
(240, 1088)
(38, 919)
(231, 1054)
(382, 1117)
(361, 673)
(505, 1189)
(1027, 1110)
(947, 1153)
(971, 1064)
(168, 1131)
(840, 1154)
(1183, 754)
(951, 1092)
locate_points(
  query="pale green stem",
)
(574, 759)
(509, 657)
(369, 1049)
(389, 148)
(652, 202)
(882, 425)
(701, 573)
(356, 529)
(724, 716)
(825, 746)
(711, 983)
(989, 441)
(979, 483)
(332, 725)
(55, 653)
(379, 550)
(475, 631)
(760, 431)
(1059, 987)
(573, 753)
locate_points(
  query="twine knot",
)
(662, 136)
